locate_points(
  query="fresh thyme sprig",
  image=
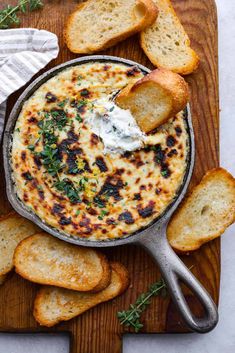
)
(9, 17)
(131, 317)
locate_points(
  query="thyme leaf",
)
(131, 317)
(9, 17)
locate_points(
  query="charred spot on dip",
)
(85, 93)
(65, 221)
(132, 71)
(137, 196)
(126, 217)
(25, 197)
(101, 164)
(41, 194)
(165, 171)
(27, 176)
(50, 97)
(32, 120)
(178, 130)
(106, 67)
(57, 209)
(76, 187)
(94, 139)
(172, 153)
(147, 211)
(23, 155)
(92, 211)
(170, 141)
(159, 154)
(112, 187)
(110, 221)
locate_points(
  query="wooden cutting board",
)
(98, 330)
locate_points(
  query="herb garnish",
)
(51, 160)
(84, 92)
(49, 124)
(81, 103)
(50, 153)
(102, 214)
(99, 202)
(9, 17)
(131, 317)
(67, 187)
(79, 118)
(31, 147)
(60, 118)
(62, 103)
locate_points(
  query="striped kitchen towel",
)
(23, 52)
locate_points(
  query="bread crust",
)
(106, 278)
(182, 70)
(19, 268)
(175, 87)
(146, 21)
(15, 217)
(198, 242)
(117, 267)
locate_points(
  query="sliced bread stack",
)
(99, 24)
(53, 304)
(75, 278)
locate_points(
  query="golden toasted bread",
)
(43, 259)
(154, 98)
(13, 229)
(166, 43)
(99, 24)
(205, 213)
(53, 304)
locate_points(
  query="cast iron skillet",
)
(152, 238)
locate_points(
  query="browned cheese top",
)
(62, 174)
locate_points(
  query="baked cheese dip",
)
(68, 168)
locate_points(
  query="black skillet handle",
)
(173, 270)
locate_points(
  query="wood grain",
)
(98, 330)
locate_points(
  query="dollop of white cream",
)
(116, 127)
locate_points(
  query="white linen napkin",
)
(23, 52)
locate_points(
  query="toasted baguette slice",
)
(166, 43)
(99, 24)
(13, 229)
(53, 304)
(46, 260)
(205, 214)
(155, 98)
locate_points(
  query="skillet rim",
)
(19, 206)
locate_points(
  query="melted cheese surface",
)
(62, 174)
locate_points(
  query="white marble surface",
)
(37, 343)
(222, 339)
